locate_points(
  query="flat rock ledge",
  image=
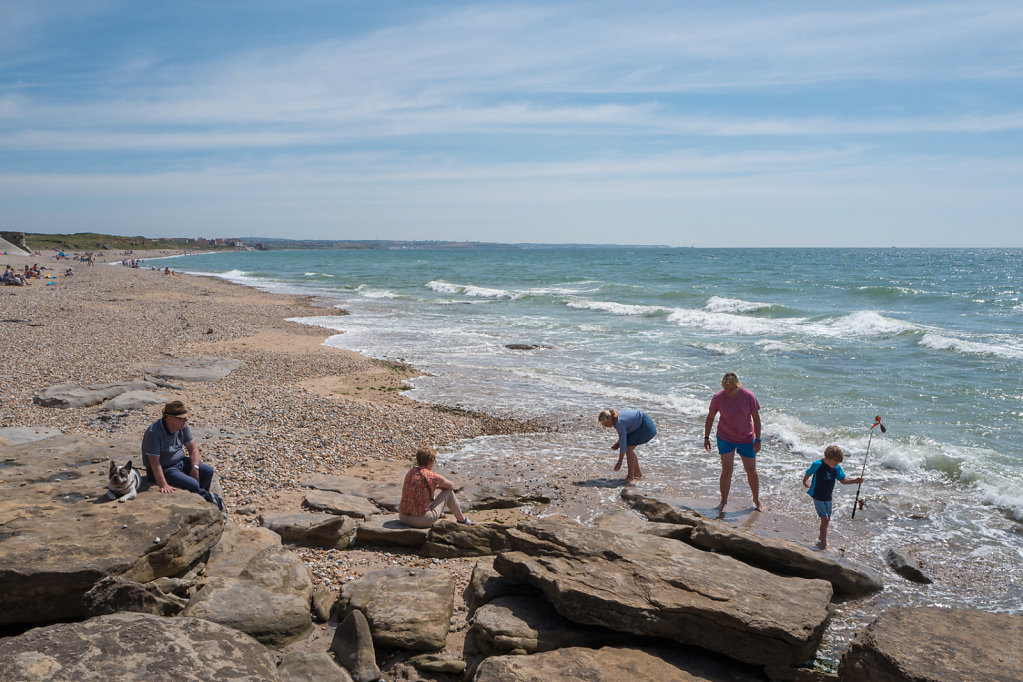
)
(936, 645)
(406, 608)
(312, 529)
(205, 368)
(658, 587)
(67, 396)
(448, 539)
(134, 646)
(610, 664)
(778, 556)
(60, 536)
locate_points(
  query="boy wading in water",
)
(824, 473)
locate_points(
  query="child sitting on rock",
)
(824, 472)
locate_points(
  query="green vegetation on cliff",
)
(93, 241)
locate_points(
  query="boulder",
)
(486, 584)
(449, 539)
(323, 599)
(387, 531)
(530, 624)
(257, 586)
(353, 648)
(60, 536)
(310, 666)
(611, 664)
(134, 646)
(630, 522)
(385, 495)
(910, 570)
(931, 643)
(659, 587)
(205, 368)
(71, 395)
(475, 497)
(406, 608)
(784, 557)
(341, 504)
(312, 529)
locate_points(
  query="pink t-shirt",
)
(736, 422)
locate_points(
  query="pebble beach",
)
(293, 409)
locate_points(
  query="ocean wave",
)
(443, 287)
(719, 304)
(865, 323)
(617, 308)
(939, 342)
(726, 322)
(317, 274)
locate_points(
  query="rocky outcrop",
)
(312, 529)
(257, 586)
(655, 586)
(205, 368)
(785, 558)
(134, 646)
(135, 400)
(610, 664)
(406, 608)
(936, 644)
(115, 594)
(385, 495)
(448, 539)
(72, 395)
(60, 536)
(658, 510)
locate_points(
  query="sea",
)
(929, 340)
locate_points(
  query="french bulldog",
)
(124, 482)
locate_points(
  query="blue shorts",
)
(744, 449)
(823, 508)
(644, 433)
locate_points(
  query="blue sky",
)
(683, 123)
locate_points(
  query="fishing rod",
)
(877, 422)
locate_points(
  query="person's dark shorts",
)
(643, 434)
(744, 449)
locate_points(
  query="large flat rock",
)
(341, 504)
(387, 531)
(611, 664)
(312, 529)
(449, 539)
(660, 587)
(72, 395)
(937, 645)
(134, 646)
(383, 494)
(205, 368)
(406, 608)
(59, 536)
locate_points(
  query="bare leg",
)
(447, 498)
(822, 541)
(633, 461)
(750, 465)
(727, 464)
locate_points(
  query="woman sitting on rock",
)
(418, 507)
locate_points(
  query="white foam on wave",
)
(719, 304)
(727, 322)
(470, 290)
(616, 308)
(940, 342)
(864, 323)
(317, 274)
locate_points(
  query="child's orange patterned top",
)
(417, 492)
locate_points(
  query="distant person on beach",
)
(419, 508)
(634, 428)
(171, 455)
(738, 431)
(819, 480)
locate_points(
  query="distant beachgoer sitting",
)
(418, 508)
(69, 272)
(13, 278)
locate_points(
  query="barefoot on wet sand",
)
(823, 546)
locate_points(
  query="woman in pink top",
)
(418, 508)
(738, 431)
